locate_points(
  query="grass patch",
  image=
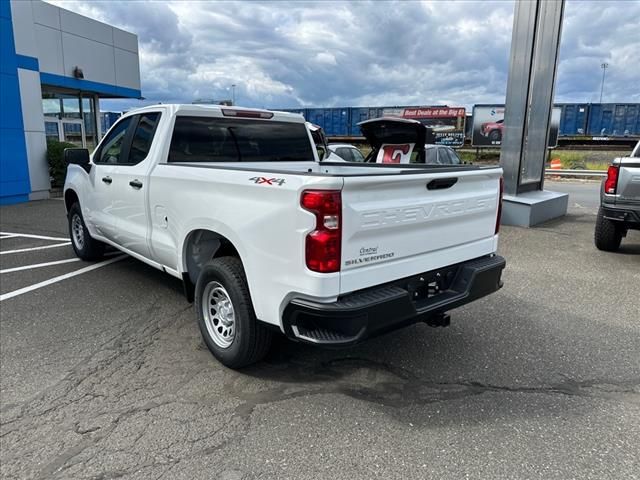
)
(578, 160)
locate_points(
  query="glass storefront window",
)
(51, 130)
(70, 117)
(71, 107)
(52, 107)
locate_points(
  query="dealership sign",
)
(488, 126)
(446, 123)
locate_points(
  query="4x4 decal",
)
(268, 181)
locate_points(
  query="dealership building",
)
(56, 66)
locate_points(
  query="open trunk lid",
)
(403, 224)
(393, 140)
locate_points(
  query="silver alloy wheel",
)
(219, 315)
(77, 231)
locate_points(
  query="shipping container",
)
(614, 119)
(576, 119)
(573, 118)
(360, 114)
(107, 119)
(334, 121)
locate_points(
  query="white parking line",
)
(20, 250)
(38, 265)
(59, 278)
(29, 235)
(11, 235)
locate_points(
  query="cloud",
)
(288, 54)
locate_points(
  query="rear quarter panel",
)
(263, 220)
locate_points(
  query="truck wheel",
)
(608, 234)
(225, 314)
(84, 245)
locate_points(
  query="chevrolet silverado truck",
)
(266, 238)
(619, 202)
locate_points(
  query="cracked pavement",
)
(104, 376)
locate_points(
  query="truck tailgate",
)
(629, 181)
(399, 225)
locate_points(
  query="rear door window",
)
(142, 137)
(214, 139)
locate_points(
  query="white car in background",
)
(344, 152)
(441, 155)
(407, 143)
(434, 154)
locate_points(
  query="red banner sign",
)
(433, 112)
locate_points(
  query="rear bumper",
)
(373, 311)
(628, 215)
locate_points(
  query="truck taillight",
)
(246, 113)
(611, 183)
(323, 245)
(499, 205)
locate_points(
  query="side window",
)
(432, 156)
(111, 149)
(453, 156)
(142, 138)
(443, 156)
(345, 153)
(357, 155)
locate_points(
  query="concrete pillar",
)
(533, 62)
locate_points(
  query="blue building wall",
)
(14, 168)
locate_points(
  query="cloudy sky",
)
(325, 53)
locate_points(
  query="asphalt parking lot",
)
(103, 373)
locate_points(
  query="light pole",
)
(233, 94)
(604, 67)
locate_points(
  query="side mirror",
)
(77, 156)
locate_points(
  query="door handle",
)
(107, 180)
(441, 183)
(136, 183)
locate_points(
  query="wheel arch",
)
(202, 245)
(70, 197)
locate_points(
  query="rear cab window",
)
(214, 139)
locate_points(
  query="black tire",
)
(608, 234)
(495, 135)
(251, 339)
(86, 247)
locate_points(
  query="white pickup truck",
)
(267, 238)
